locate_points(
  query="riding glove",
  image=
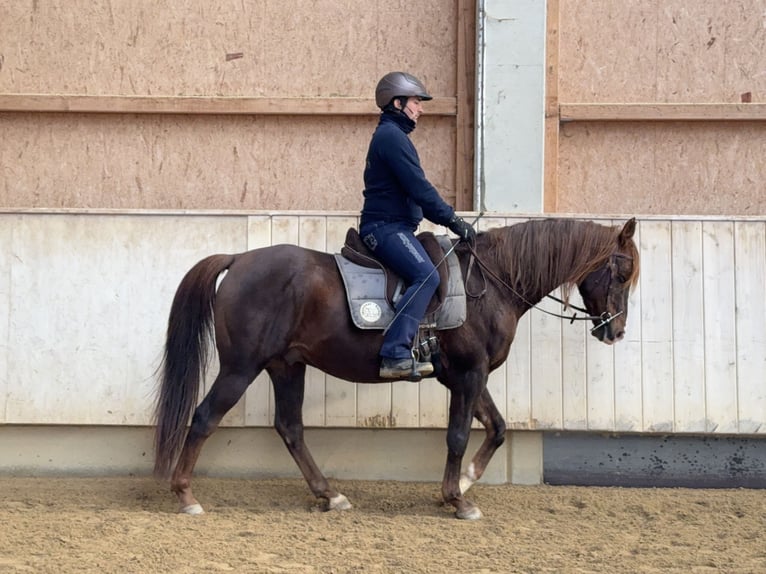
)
(461, 228)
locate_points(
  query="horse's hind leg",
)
(486, 412)
(227, 389)
(289, 384)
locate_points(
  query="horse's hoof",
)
(339, 502)
(192, 509)
(470, 513)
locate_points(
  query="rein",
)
(605, 318)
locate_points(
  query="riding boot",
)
(397, 361)
(409, 369)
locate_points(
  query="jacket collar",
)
(400, 119)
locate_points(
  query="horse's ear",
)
(627, 231)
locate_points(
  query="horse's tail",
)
(185, 359)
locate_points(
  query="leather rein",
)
(605, 318)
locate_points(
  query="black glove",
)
(461, 228)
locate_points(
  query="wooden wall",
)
(661, 107)
(231, 105)
(86, 297)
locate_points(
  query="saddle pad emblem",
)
(370, 312)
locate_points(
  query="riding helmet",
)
(399, 84)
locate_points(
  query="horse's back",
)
(268, 272)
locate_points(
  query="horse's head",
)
(605, 291)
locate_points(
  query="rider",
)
(397, 196)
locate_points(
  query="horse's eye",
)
(623, 272)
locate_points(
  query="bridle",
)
(605, 318)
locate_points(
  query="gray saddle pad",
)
(366, 294)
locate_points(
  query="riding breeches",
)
(397, 247)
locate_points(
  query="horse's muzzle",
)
(607, 332)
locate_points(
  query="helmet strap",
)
(394, 109)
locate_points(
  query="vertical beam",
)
(551, 149)
(512, 109)
(525, 457)
(466, 87)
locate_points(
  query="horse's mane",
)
(536, 256)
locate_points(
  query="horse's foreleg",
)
(461, 409)
(494, 424)
(224, 394)
(289, 383)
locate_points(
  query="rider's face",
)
(413, 108)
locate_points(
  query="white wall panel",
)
(656, 326)
(600, 365)
(7, 223)
(546, 365)
(688, 327)
(720, 331)
(575, 374)
(750, 278)
(89, 303)
(84, 301)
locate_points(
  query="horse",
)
(284, 307)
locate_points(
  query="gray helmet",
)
(399, 84)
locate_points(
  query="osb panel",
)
(661, 50)
(230, 47)
(200, 162)
(324, 48)
(668, 168)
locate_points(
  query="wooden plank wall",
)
(87, 297)
(661, 107)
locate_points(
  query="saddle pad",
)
(366, 294)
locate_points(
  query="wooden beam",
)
(551, 137)
(466, 88)
(204, 105)
(659, 112)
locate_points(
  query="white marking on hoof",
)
(192, 509)
(467, 479)
(472, 513)
(339, 502)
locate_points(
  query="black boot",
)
(408, 369)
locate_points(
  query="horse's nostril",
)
(619, 335)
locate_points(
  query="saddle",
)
(372, 288)
(357, 252)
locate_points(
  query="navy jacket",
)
(396, 189)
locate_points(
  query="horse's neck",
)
(534, 271)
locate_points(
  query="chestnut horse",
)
(283, 307)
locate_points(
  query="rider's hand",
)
(461, 228)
